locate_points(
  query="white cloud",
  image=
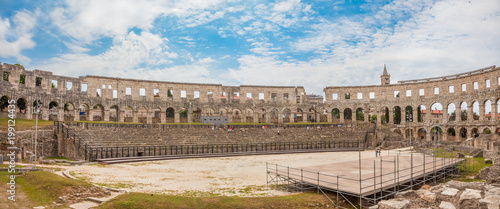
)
(17, 37)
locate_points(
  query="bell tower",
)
(385, 78)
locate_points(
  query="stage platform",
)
(371, 178)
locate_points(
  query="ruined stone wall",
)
(46, 146)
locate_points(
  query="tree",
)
(360, 115)
(21, 104)
(453, 116)
(183, 113)
(17, 64)
(169, 93)
(373, 118)
(463, 115)
(336, 113)
(4, 103)
(22, 79)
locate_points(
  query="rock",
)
(426, 195)
(469, 194)
(426, 187)
(393, 204)
(465, 185)
(106, 192)
(493, 175)
(483, 173)
(446, 205)
(373, 207)
(450, 191)
(39, 207)
(492, 201)
(460, 155)
(487, 161)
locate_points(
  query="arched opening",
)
(347, 115)
(262, 115)
(4, 103)
(486, 131)
(156, 115)
(436, 134)
(398, 131)
(21, 108)
(170, 115)
(197, 115)
(360, 115)
(385, 115)
(335, 115)
(487, 110)
(311, 115)
(463, 133)
(286, 115)
(183, 115)
(421, 134)
(475, 132)
(498, 131)
(98, 112)
(452, 112)
(498, 109)
(436, 112)
(451, 132)
(298, 115)
(475, 110)
(53, 111)
(409, 114)
(274, 114)
(397, 115)
(463, 111)
(69, 110)
(237, 116)
(210, 112)
(142, 115)
(113, 113)
(223, 112)
(128, 114)
(83, 112)
(249, 115)
(421, 111)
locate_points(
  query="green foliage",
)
(53, 86)
(169, 93)
(347, 96)
(453, 116)
(52, 105)
(4, 102)
(38, 81)
(360, 115)
(183, 113)
(6, 76)
(17, 64)
(397, 115)
(487, 131)
(348, 114)
(22, 79)
(373, 118)
(336, 113)
(463, 115)
(21, 104)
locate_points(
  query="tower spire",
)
(385, 78)
(385, 71)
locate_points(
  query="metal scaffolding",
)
(388, 175)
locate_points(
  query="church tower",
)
(385, 78)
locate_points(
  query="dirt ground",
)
(242, 176)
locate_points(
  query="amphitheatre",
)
(253, 140)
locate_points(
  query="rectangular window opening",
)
(115, 94)
(84, 87)
(69, 85)
(421, 92)
(183, 93)
(285, 96)
(236, 95)
(335, 96)
(22, 79)
(261, 96)
(347, 95)
(196, 94)
(476, 85)
(464, 87)
(396, 94)
(360, 96)
(142, 91)
(372, 95)
(488, 85)
(210, 94)
(128, 91)
(54, 84)
(98, 92)
(156, 92)
(451, 89)
(6, 76)
(38, 81)
(249, 95)
(436, 90)
(408, 93)
(222, 95)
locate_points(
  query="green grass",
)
(139, 200)
(7, 165)
(260, 124)
(24, 124)
(43, 187)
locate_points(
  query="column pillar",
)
(341, 113)
(280, 118)
(105, 116)
(329, 116)
(121, 116)
(29, 111)
(90, 116)
(457, 133)
(230, 117)
(243, 116)
(149, 116)
(458, 113)
(415, 114)
(292, 117)
(379, 119)
(494, 112)
(445, 114)
(366, 118)
(60, 114)
(256, 117)
(390, 120)
(304, 116)
(135, 117)
(76, 115)
(163, 117)
(469, 113)
(481, 112)
(177, 117)
(190, 116)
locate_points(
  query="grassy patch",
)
(44, 188)
(7, 165)
(138, 200)
(24, 124)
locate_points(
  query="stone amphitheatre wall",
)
(125, 137)
(128, 100)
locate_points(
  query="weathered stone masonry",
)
(117, 99)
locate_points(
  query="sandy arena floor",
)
(242, 176)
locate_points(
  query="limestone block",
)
(393, 204)
(446, 205)
(483, 173)
(450, 191)
(426, 195)
(469, 194)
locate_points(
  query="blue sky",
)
(301, 43)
